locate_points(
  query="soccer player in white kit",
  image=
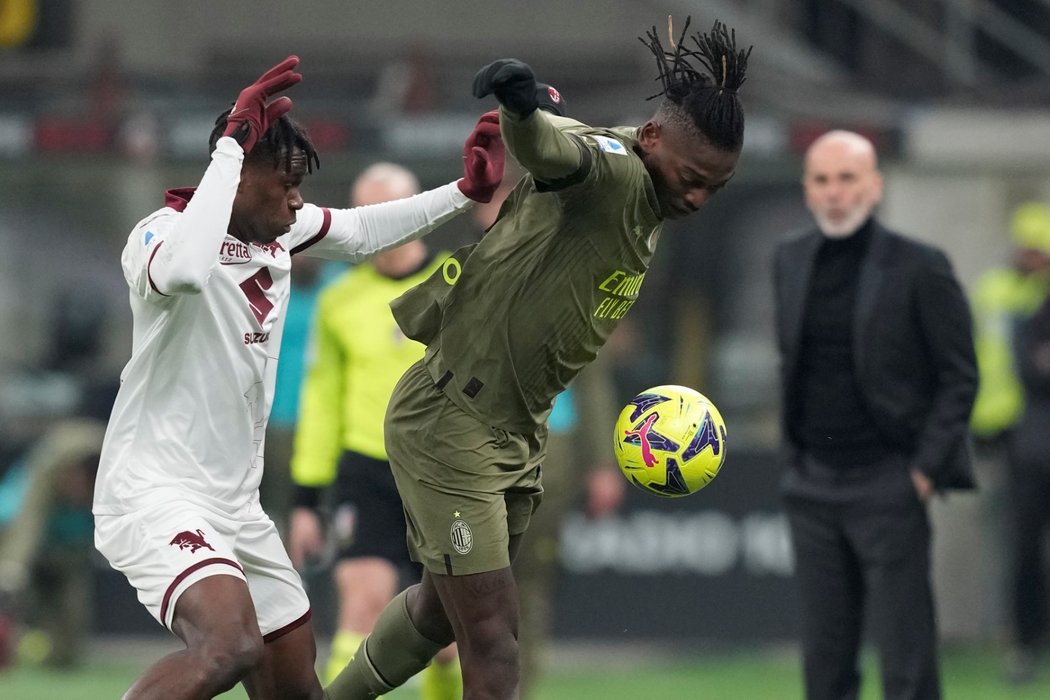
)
(176, 499)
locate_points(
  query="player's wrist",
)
(459, 199)
(474, 193)
(228, 146)
(515, 117)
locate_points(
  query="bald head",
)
(384, 182)
(842, 182)
(841, 143)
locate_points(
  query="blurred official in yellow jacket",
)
(1002, 296)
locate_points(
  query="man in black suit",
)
(878, 377)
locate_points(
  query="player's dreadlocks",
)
(710, 102)
(282, 138)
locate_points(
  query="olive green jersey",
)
(510, 321)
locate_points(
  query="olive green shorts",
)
(467, 487)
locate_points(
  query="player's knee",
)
(226, 660)
(493, 641)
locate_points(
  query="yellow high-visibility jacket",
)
(358, 354)
(1001, 297)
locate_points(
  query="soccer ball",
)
(670, 440)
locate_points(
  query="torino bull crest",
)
(670, 440)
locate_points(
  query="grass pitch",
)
(613, 674)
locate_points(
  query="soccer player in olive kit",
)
(508, 323)
(176, 500)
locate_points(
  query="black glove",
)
(513, 83)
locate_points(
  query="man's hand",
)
(251, 116)
(513, 83)
(483, 158)
(305, 540)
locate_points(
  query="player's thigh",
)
(482, 608)
(286, 668)
(217, 611)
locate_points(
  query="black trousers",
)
(862, 553)
(1030, 517)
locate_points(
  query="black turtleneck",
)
(831, 420)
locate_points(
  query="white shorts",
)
(163, 550)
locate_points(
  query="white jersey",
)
(190, 417)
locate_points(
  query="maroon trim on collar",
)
(325, 225)
(181, 577)
(178, 197)
(149, 276)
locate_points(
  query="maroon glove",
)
(251, 116)
(483, 157)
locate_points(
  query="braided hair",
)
(280, 141)
(706, 102)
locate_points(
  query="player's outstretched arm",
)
(547, 153)
(361, 232)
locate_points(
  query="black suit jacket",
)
(913, 347)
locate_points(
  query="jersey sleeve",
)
(543, 146)
(173, 253)
(319, 430)
(359, 233)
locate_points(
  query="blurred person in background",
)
(1011, 418)
(176, 499)
(358, 354)
(878, 380)
(46, 548)
(1029, 469)
(508, 324)
(1002, 296)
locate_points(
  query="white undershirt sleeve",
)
(359, 233)
(190, 250)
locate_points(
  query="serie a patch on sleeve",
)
(609, 145)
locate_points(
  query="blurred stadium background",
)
(104, 104)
